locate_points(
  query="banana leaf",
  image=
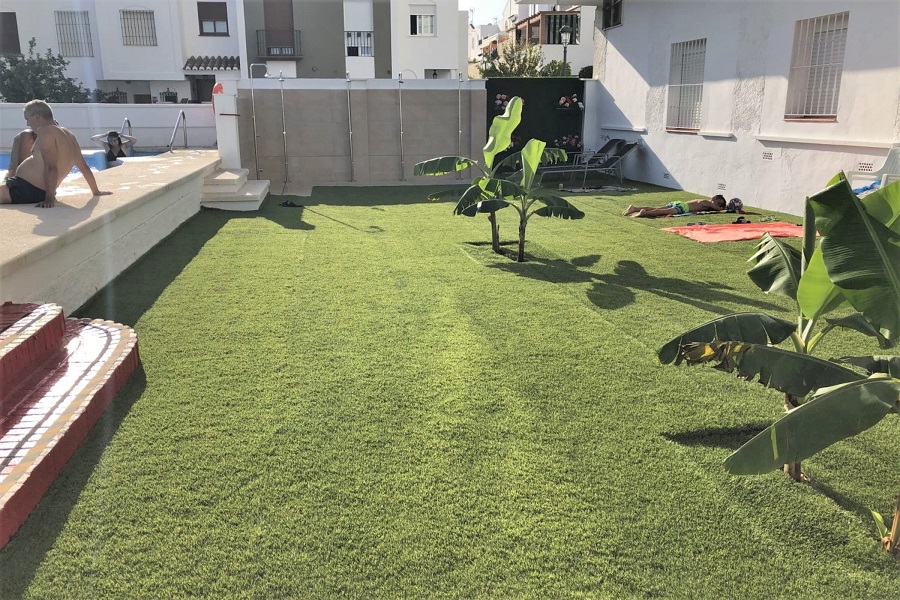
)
(816, 294)
(889, 365)
(531, 160)
(858, 323)
(754, 328)
(554, 206)
(776, 268)
(548, 157)
(468, 201)
(443, 165)
(829, 417)
(502, 127)
(860, 252)
(492, 205)
(789, 372)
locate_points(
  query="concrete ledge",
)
(67, 253)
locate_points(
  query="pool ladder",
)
(181, 120)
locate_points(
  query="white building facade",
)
(763, 101)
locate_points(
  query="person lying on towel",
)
(716, 203)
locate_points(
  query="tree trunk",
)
(495, 233)
(792, 469)
(522, 224)
(893, 544)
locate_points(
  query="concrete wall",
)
(745, 147)
(318, 128)
(152, 124)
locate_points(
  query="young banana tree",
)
(491, 190)
(856, 264)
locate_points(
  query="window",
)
(213, 17)
(359, 43)
(73, 32)
(422, 19)
(612, 13)
(138, 27)
(814, 82)
(686, 84)
(9, 34)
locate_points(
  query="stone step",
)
(225, 181)
(54, 406)
(249, 197)
(29, 334)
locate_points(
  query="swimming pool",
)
(96, 160)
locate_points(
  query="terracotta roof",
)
(213, 63)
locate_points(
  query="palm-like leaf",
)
(776, 267)
(833, 415)
(502, 127)
(554, 206)
(444, 195)
(889, 365)
(531, 160)
(492, 205)
(789, 372)
(468, 202)
(443, 165)
(549, 156)
(861, 250)
(858, 323)
(816, 294)
(754, 328)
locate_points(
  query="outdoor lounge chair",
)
(583, 158)
(889, 172)
(610, 163)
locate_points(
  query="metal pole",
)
(459, 121)
(400, 99)
(350, 123)
(253, 115)
(283, 131)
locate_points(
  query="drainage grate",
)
(866, 167)
(768, 155)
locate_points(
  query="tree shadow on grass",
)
(617, 289)
(731, 438)
(22, 556)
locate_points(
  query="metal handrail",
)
(182, 119)
(127, 122)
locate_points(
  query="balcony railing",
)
(280, 44)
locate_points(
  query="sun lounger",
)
(610, 163)
(889, 172)
(583, 158)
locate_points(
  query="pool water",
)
(96, 160)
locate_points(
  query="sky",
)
(485, 10)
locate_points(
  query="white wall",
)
(745, 148)
(195, 44)
(445, 51)
(152, 124)
(161, 62)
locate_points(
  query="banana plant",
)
(855, 264)
(491, 190)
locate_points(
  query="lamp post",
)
(565, 34)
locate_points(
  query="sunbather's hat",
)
(735, 205)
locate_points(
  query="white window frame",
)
(423, 20)
(817, 63)
(685, 100)
(73, 33)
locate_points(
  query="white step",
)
(226, 181)
(249, 197)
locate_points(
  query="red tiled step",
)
(55, 407)
(29, 334)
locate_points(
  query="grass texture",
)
(357, 398)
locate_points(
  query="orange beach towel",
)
(733, 232)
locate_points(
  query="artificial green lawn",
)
(359, 399)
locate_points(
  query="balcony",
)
(278, 44)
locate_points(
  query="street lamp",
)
(565, 34)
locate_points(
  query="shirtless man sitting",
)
(715, 203)
(55, 151)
